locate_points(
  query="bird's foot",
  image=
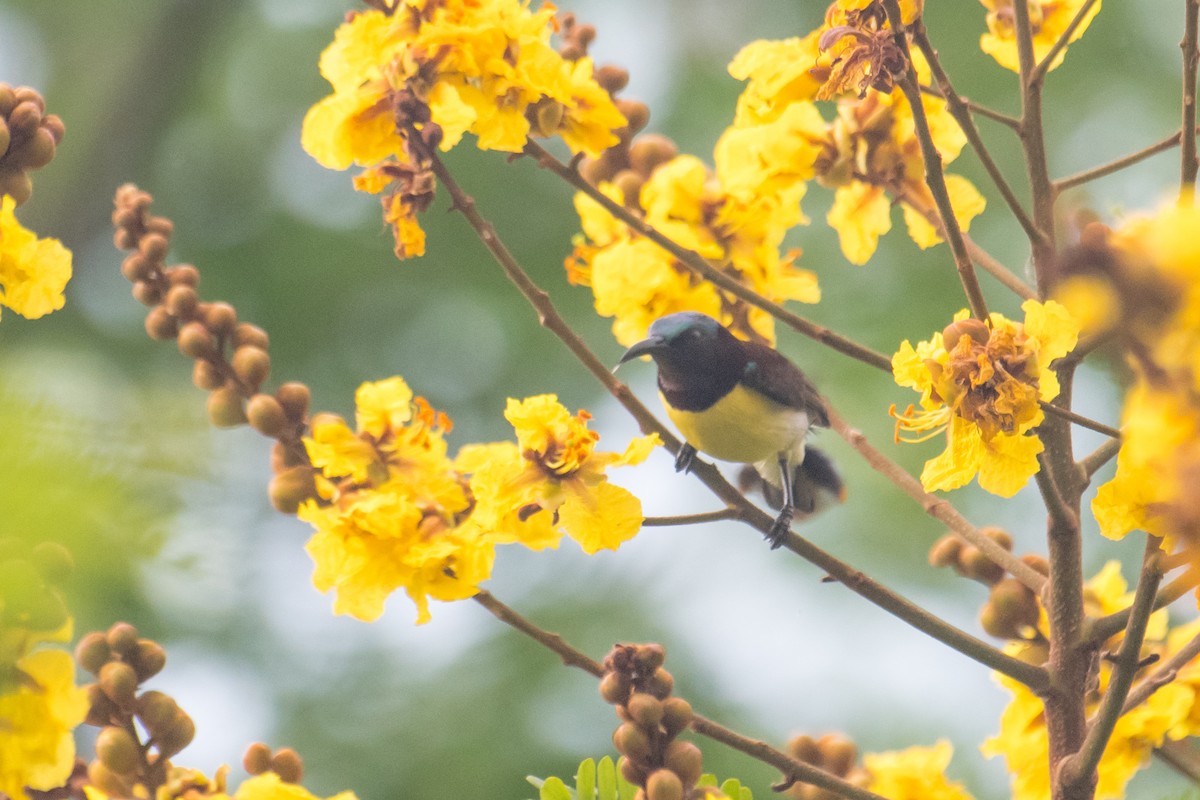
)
(685, 459)
(780, 528)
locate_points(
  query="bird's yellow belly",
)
(742, 426)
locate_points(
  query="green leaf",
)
(585, 780)
(606, 779)
(554, 789)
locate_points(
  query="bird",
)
(742, 402)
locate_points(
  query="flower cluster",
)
(1153, 258)
(40, 705)
(982, 383)
(1171, 713)
(438, 71)
(868, 153)
(396, 512)
(1049, 21)
(915, 773)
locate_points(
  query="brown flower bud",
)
(838, 753)
(122, 638)
(160, 225)
(266, 415)
(101, 710)
(631, 771)
(247, 334)
(292, 487)
(999, 536)
(630, 185)
(35, 152)
(219, 317)
(176, 736)
(976, 329)
(1037, 563)
(677, 715)
(547, 116)
(107, 781)
(195, 341)
(160, 325)
(24, 118)
(184, 274)
(148, 659)
(182, 301)
(597, 170)
(804, 748)
(156, 711)
(944, 552)
(135, 267)
(54, 125)
(650, 150)
(8, 99)
(636, 116)
(294, 397)
(1013, 607)
(119, 682)
(645, 709)
(5, 137)
(684, 759)
(117, 750)
(149, 294)
(650, 657)
(663, 784)
(32, 95)
(207, 375)
(612, 78)
(614, 687)
(286, 763)
(257, 759)
(154, 247)
(286, 456)
(660, 684)
(225, 409)
(251, 365)
(92, 652)
(975, 564)
(16, 184)
(631, 740)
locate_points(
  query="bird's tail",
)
(816, 484)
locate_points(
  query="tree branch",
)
(1063, 40)
(1080, 767)
(934, 177)
(1191, 57)
(794, 769)
(1096, 459)
(1099, 630)
(693, 519)
(1062, 184)
(1079, 419)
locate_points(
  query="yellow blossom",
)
(982, 384)
(391, 506)
(1048, 19)
(553, 480)
(269, 786)
(916, 773)
(33, 271)
(38, 716)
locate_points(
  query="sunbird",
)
(742, 402)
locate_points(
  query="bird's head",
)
(686, 342)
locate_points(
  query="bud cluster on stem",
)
(29, 138)
(833, 753)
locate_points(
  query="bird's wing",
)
(770, 373)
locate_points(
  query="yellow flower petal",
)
(860, 214)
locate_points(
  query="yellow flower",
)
(37, 720)
(981, 383)
(635, 281)
(268, 786)
(553, 480)
(33, 271)
(916, 773)
(1048, 19)
(391, 507)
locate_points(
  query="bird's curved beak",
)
(646, 347)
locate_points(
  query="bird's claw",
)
(685, 458)
(780, 528)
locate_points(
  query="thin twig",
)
(998, 271)
(935, 178)
(1033, 143)
(1188, 164)
(923, 620)
(793, 769)
(700, 265)
(693, 519)
(1166, 673)
(1099, 630)
(1062, 184)
(1061, 514)
(937, 507)
(1079, 419)
(1063, 40)
(1096, 459)
(1181, 757)
(962, 115)
(977, 108)
(1080, 766)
